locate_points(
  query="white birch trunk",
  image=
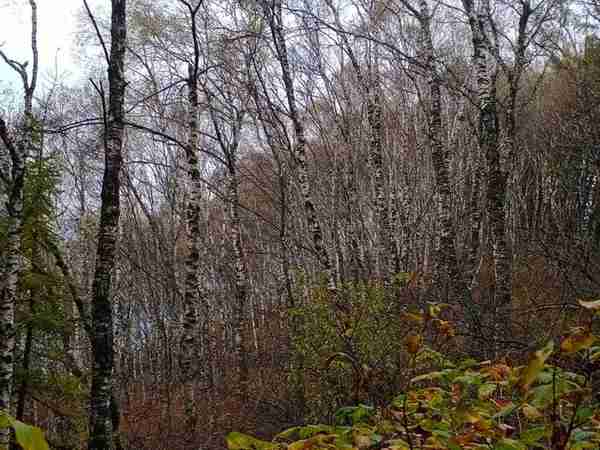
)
(18, 149)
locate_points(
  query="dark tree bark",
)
(101, 424)
(446, 261)
(486, 62)
(22, 395)
(240, 278)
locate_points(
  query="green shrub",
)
(356, 353)
(472, 405)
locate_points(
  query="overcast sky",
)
(56, 33)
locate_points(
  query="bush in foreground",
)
(549, 403)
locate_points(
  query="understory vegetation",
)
(549, 402)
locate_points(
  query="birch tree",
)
(101, 429)
(446, 260)
(370, 85)
(193, 288)
(486, 67)
(274, 17)
(18, 145)
(227, 111)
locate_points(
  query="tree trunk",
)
(10, 276)
(29, 335)
(446, 260)
(388, 263)
(486, 72)
(273, 12)
(20, 412)
(240, 282)
(192, 261)
(101, 424)
(10, 272)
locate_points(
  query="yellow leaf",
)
(397, 444)
(445, 328)
(435, 309)
(362, 441)
(579, 340)
(531, 412)
(467, 416)
(300, 445)
(413, 317)
(536, 364)
(240, 441)
(413, 343)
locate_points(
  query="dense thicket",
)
(238, 226)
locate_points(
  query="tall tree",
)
(274, 16)
(446, 254)
(370, 84)
(19, 147)
(101, 427)
(193, 288)
(486, 67)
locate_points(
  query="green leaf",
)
(310, 430)
(506, 411)
(4, 422)
(27, 436)
(536, 364)
(584, 446)
(399, 401)
(583, 414)
(291, 434)
(436, 427)
(240, 441)
(428, 377)
(468, 363)
(469, 379)
(582, 436)
(533, 435)
(510, 444)
(486, 390)
(353, 414)
(542, 396)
